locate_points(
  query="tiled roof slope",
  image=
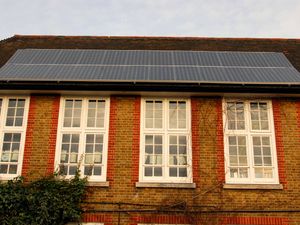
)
(290, 47)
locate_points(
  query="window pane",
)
(259, 116)
(153, 114)
(148, 171)
(238, 157)
(261, 151)
(72, 113)
(96, 111)
(153, 155)
(69, 152)
(177, 114)
(10, 153)
(93, 153)
(235, 116)
(15, 112)
(178, 155)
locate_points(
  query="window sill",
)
(165, 185)
(254, 186)
(97, 184)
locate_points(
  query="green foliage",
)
(46, 201)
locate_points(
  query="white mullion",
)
(167, 156)
(249, 147)
(165, 151)
(83, 123)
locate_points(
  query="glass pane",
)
(97, 171)
(88, 170)
(173, 160)
(72, 170)
(255, 125)
(243, 173)
(157, 171)
(158, 139)
(182, 172)
(233, 160)
(149, 149)
(149, 123)
(257, 161)
(235, 116)
(254, 105)
(12, 103)
(264, 125)
(72, 113)
(173, 140)
(3, 168)
(173, 172)
(266, 151)
(88, 159)
(13, 169)
(149, 139)
(158, 150)
(173, 149)
(232, 140)
(98, 158)
(173, 118)
(259, 173)
(182, 149)
(256, 141)
(234, 173)
(267, 161)
(148, 171)
(232, 150)
(268, 173)
(182, 140)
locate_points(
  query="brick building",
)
(182, 131)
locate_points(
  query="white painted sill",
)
(97, 184)
(253, 186)
(164, 185)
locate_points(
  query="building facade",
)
(158, 151)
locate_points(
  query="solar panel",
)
(149, 66)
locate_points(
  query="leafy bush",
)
(46, 201)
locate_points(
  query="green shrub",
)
(46, 201)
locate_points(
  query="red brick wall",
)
(254, 220)
(279, 142)
(136, 140)
(195, 139)
(208, 166)
(39, 151)
(111, 139)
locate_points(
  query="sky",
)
(195, 18)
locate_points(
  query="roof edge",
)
(8, 39)
(149, 37)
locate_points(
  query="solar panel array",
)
(148, 66)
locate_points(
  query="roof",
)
(289, 47)
(149, 66)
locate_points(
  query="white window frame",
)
(13, 129)
(165, 132)
(249, 133)
(82, 131)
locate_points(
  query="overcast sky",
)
(204, 18)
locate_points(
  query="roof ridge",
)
(152, 37)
